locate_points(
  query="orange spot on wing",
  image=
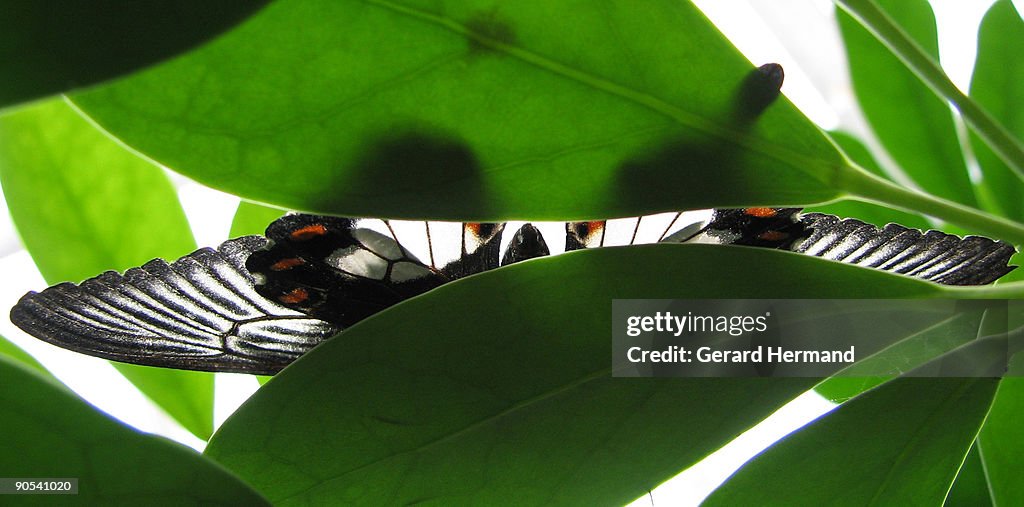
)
(587, 229)
(308, 232)
(293, 296)
(772, 236)
(473, 227)
(760, 212)
(284, 264)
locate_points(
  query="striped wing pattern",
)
(932, 255)
(200, 312)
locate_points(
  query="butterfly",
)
(257, 303)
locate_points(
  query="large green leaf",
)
(50, 433)
(899, 444)
(499, 386)
(914, 125)
(1002, 449)
(468, 110)
(51, 47)
(971, 488)
(926, 67)
(913, 351)
(996, 86)
(83, 205)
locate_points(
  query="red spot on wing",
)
(308, 232)
(294, 296)
(761, 212)
(284, 264)
(772, 236)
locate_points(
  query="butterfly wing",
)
(480, 250)
(932, 255)
(342, 271)
(255, 304)
(200, 312)
(333, 269)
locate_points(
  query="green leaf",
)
(842, 389)
(865, 211)
(15, 353)
(915, 350)
(48, 48)
(971, 486)
(83, 205)
(252, 218)
(914, 125)
(465, 110)
(499, 386)
(1016, 275)
(1000, 444)
(899, 444)
(925, 66)
(996, 86)
(49, 432)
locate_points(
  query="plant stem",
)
(865, 185)
(917, 60)
(1012, 290)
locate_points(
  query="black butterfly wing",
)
(200, 312)
(334, 269)
(932, 255)
(311, 277)
(342, 271)
(480, 250)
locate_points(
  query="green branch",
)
(867, 186)
(1012, 290)
(917, 60)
